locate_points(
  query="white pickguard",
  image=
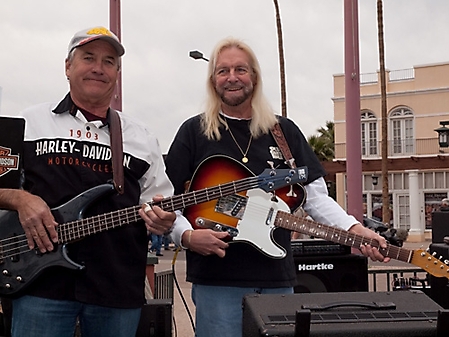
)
(256, 226)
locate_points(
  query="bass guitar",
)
(20, 265)
(255, 217)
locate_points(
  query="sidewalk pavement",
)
(183, 313)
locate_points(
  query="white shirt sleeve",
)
(322, 208)
(179, 227)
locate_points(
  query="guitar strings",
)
(73, 230)
(334, 234)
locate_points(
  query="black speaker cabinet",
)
(439, 286)
(331, 273)
(440, 226)
(355, 314)
(156, 319)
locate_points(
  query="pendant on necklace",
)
(244, 160)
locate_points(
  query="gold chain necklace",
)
(244, 158)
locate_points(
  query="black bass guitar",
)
(20, 265)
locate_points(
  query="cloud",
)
(163, 86)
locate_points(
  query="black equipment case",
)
(356, 314)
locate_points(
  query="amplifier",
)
(308, 247)
(156, 319)
(439, 286)
(356, 314)
(331, 273)
(440, 226)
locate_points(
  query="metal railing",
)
(396, 148)
(394, 278)
(163, 285)
(394, 75)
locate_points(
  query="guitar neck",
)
(79, 229)
(338, 235)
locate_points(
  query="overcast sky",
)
(163, 86)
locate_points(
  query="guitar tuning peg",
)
(434, 253)
(446, 261)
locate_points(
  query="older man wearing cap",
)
(67, 152)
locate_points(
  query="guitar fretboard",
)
(78, 229)
(338, 235)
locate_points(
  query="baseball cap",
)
(96, 33)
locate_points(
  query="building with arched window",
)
(418, 169)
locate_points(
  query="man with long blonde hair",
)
(236, 124)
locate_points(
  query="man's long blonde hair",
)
(263, 117)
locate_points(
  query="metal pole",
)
(115, 27)
(353, 127)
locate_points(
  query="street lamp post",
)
(197, 55)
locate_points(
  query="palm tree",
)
(384, 150)
(281, 60)
(323, 144)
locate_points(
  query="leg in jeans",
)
(219, 309)
(40, 317)
(96, 321)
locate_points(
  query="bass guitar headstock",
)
(273, 179)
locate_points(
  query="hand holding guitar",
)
(367, 250)
(156, 219)
(36, 219)
(205, 241)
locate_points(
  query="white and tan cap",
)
(96, 33)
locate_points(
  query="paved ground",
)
(182, 323)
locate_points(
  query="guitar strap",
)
(279, 137)
(115, 131)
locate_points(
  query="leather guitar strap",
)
(279, 137)
(115, 131)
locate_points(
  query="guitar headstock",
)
(430, 263)
(273, 179)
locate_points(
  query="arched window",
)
(369, 134)
(401, 131)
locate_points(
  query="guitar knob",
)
(19, 278)
(5, 272)
(7, 285)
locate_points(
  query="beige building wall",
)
(425, 91)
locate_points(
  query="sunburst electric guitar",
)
(251, 217)
(20, 265)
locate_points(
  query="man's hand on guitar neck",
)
(156, 219)
(368, 250)
(36, 218)
(205, 241)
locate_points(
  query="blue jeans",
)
(219, 309)
(41, 317)
(156, 243)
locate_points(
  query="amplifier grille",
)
(314, 247)
(355, 317)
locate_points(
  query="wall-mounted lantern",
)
(443, 134)
(375, 179)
